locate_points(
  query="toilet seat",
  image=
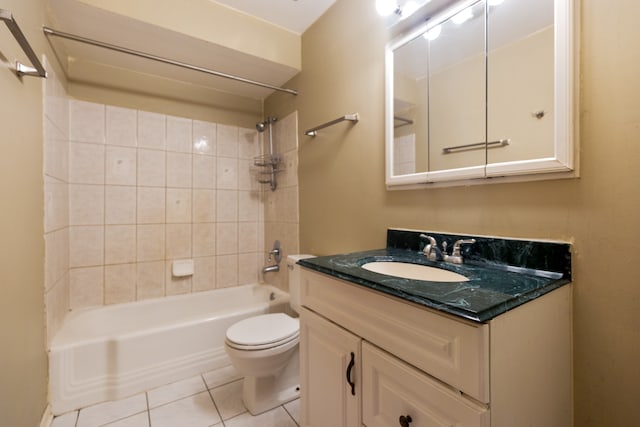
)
(263, 332)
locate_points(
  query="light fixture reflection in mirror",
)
(402, 9)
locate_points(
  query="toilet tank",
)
(294, 280)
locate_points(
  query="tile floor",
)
(213, 399)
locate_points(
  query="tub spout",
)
(271, 268)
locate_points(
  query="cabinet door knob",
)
(349, 369)
(405, 421)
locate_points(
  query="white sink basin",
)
(413, 271)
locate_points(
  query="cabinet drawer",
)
(456, 352)
(391, 389)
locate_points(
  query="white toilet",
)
(264, 349)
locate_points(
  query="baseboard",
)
(47, 417)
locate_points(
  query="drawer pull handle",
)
(349, 369)
(405, 421)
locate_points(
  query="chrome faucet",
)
(433, 253)
(271, 268)
(275, 254)
(431, 250)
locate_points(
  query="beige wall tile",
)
(150, 280)
(248, 268)
(56, 257)
(204, 172)
(151, 130)
(226, 271)
(204, 275)
(248, 175)
(86, 204)
(120, 244)
(248, 143)
(86, 287)
(179, 170)
(227, 173)
(86, 163)
(151, 205)
(204, 239)
(57, 305)
(176, 285)
(122, 126)
(56, 152)
(179, 134)
(227, 141)
(247, 237)
(152, 168)
(248, 206)
(226, 206)
(178, 241)
(204, 138)
(119, 283)
(204, 205)
(178, 205)
(120, 204)
(56, 204)
(86, 246)
(86, 122)
(226, 238)
(150, 242)
(121, 165)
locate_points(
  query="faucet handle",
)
(432, 244)
(459, 243)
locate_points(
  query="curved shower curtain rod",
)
(51, 32)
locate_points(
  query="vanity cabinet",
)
(368, 359)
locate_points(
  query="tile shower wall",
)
(281, 219)
(146, 189)
(129, 191)
(56, 223)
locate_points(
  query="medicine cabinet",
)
(484, 89)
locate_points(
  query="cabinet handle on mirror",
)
(349, 369)
(405, 421)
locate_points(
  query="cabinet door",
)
(393, 389)
(329, 365)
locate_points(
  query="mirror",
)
(484, 89)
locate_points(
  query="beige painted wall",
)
(23, 366)
(344, 205)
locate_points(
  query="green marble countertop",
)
(492, 289)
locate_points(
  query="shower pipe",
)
(273, 160)
(51, 32)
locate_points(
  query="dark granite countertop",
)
(494, 286)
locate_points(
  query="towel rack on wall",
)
(350, 117)
(51, 32)
(23, 70)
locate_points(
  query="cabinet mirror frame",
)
(564, 162)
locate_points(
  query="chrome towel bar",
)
(350, 117)
(37, 70)
(499, 143)
(51, 32)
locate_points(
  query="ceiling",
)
(294, 15)
(98, 66)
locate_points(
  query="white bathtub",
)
(111, 352)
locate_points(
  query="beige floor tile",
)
(228, 399)
(103, 413)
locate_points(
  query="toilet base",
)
(260, 394)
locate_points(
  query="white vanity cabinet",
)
(368, 359)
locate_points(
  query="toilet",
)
(264, 349)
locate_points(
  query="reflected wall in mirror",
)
(483, 89)
(457, 90)
(520, 82)
(410, 107)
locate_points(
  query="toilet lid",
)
(263, 329)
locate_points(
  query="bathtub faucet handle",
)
(276, 252)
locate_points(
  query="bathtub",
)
(108, 353)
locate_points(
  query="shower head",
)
(261, 126)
